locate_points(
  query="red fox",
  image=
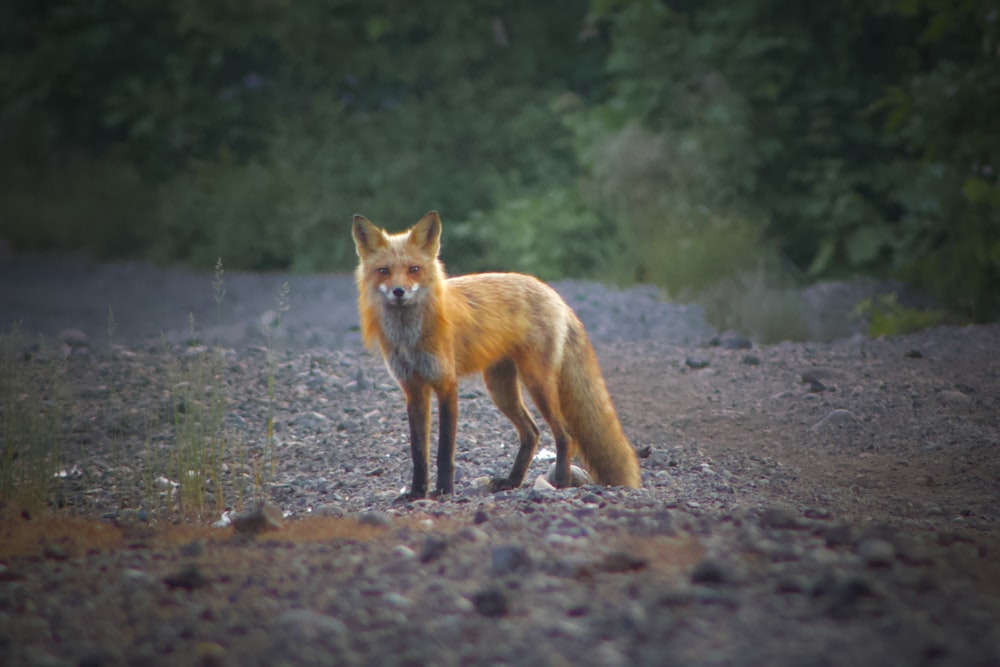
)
(513, 328)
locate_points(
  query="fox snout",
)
(398, 295)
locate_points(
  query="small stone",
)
(836, 418)
(193, 548)
(314, 422)
(709, 571)
(542, 484)
(838, 535)
(480, 517)
(433, 547)
(620, 561)
(509, 558)
(779, 517)
(736, 342)
(210, 654)
(263, 517)
(54, 551)
(397, 600)
(404, 552)
(876, 552)
(472, 534)
(751, 360)
(577, 476)
(491, 602)
(696, 363)
(188, 578)
(375, 518)
(310, 625)
(955, 398)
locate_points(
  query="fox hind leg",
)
(502, 382)
(545, 395)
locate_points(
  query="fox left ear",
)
(367, 237)
(426, 234)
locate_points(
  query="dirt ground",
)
(802, 504)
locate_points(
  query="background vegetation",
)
(676, 142)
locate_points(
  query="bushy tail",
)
(590, 415)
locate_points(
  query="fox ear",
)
(367, 237)
(426, 234)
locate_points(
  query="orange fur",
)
(513, 328)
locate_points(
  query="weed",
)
(887, 317)
(32, 407)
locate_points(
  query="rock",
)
(876, 552)
(751, 360)
(710, 571)
(696, 363)
(779, 517)
(193, 548)
(835, 418)
(509, 558)
(54, 551)
(542, 483)
(375, 518)
(491, 602)
(480, 517)
(955, 398)
(820, 379)
(310, 625)
(733, 341)
(188, 578)
(433, 547)
(620, 561)
(577, 476)
(314, 422)
(263, 517)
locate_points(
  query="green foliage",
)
(862, 134)
(550, 235)
(290, 206)
(676, 142)
(77, 203)
(887, 317)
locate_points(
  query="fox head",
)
(399, 268)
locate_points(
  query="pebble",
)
(507, 559)
(311, 625)
(779, 517)
(876, 552)
(263, 517)
(491, 602)
(375, 518)
(835, 418)
(433, 548)
(710, 571)
(188, 578)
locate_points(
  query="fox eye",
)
(383, 270)
(414, 269)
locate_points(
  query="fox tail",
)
(590, 415)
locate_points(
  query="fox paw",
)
(503, 484)
(408, 497)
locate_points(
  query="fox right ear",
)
(367, 237)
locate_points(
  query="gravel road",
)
(803, 504)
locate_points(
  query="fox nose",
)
(398, 292)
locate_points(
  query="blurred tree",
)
(863, 133)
